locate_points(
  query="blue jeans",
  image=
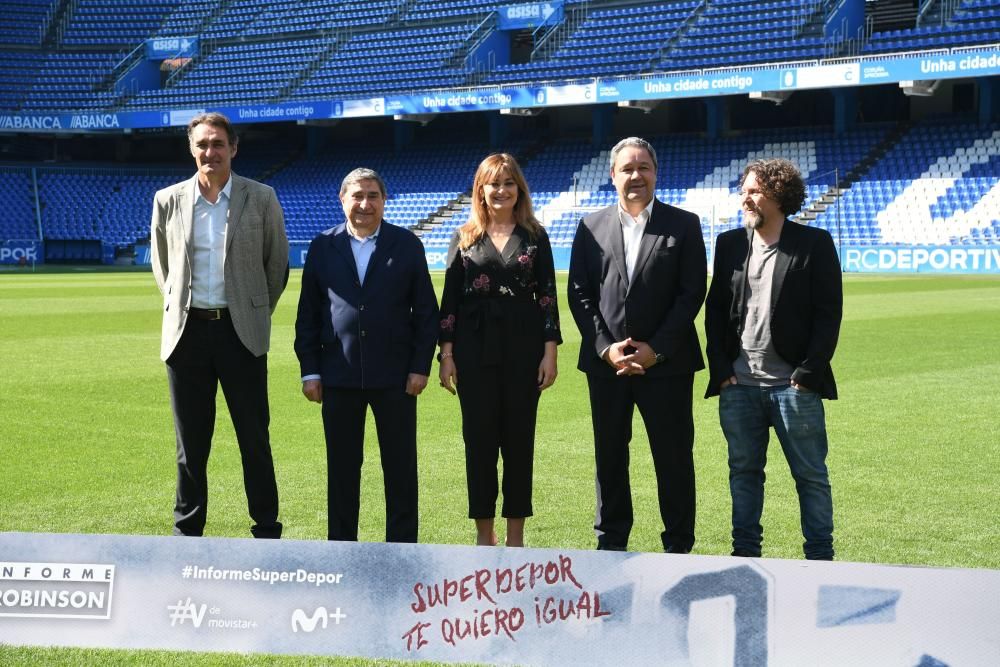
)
(746, 413)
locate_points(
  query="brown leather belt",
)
(208, 313)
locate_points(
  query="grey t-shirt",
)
(759, 364)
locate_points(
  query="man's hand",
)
(642, 354)
(728, 381)
(630, 356)
(415, 384)
(313, 390)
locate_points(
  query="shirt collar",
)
(626, 218)
(373, 236)
(227, 190)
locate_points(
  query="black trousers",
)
(665, 406)
(208, 354)
(395, 414)
(499, 409)
(498, 347)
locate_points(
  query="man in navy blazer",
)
(365, 335)
(637, 280)
(772, 320)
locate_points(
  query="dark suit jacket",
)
(657, 307)
(369, 335)
(806, 305)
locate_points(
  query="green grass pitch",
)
(88, 439)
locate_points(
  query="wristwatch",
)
(443, 355)
(660, 358)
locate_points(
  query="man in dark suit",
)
(365, 335)
(772, 319)
(636, 282)
(220, 259)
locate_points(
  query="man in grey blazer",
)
(220, 259)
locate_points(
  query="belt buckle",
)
(215, 313)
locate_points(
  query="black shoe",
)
(743, 553)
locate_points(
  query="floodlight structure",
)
(776, 96)
(521, 111)
(924, 88)
(646, 106)
(422, 118)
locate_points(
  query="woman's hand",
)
(448, 374)
(547, 370)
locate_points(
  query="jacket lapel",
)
(655, 230)
(185, 205)
(382, 246)
(786, 251)
(237, 199)
(740, 286)
(614, 229)
(341, 242)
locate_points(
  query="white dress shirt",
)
(208, 252)
(632, 230)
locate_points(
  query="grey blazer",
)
(256, 264)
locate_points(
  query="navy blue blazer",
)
(807, 304)
(661, 302)
(371, 335)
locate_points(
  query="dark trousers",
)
(395, 414)
(208, 354)
(665, 406)
(499, 407)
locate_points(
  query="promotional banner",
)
(921, 259)
(870, 70)
(854, 259)
(473, 604)
(161, 48)
(24, 252)
(530, 15)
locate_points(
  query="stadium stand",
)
(25, 22)
(936, 182)
(972, 22)
(722, 35)
(925, 182)
(237, 74)
(937, 185)
(591, 50)
(70, 81)
(398, 60)
(120, 23)
(19, 204)
(108, 205)
(284, 50)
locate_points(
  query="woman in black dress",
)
(499, 332)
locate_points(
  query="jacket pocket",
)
(260, 300)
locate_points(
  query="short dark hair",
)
(780, 180)
(215, 119)
(362, 174)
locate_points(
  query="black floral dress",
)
(499, 309)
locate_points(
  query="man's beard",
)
(753, 220)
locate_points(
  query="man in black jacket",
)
(365, 335)
(772, 319)
(636, 282)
